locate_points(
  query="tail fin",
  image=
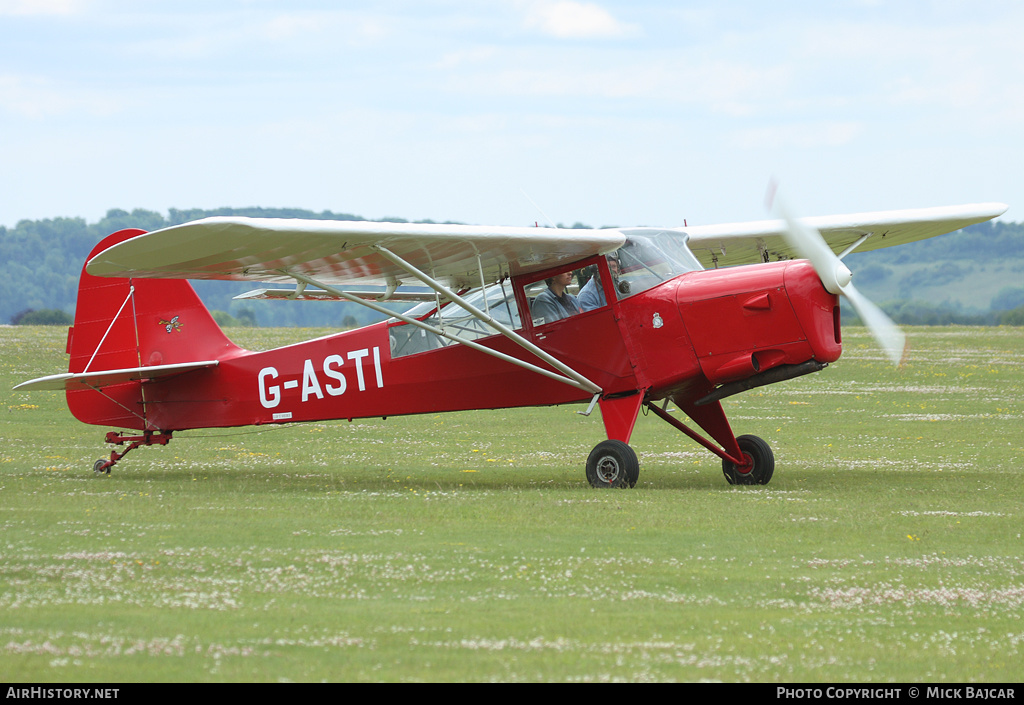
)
(129, 323)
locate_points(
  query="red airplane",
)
(495, 325)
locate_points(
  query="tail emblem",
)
(172, 325)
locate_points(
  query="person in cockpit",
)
(592, 294)
(555, 303)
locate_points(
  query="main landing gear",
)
(746, 460)
(148, 438)
(612, 464)
(759, 465)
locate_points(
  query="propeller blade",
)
(810, 245)
(886, 333)
(837, 279)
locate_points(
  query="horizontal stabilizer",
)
(72, 381)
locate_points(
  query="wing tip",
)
(999, 208)
(51, 383)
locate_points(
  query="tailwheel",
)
(612, 464)
(759, 466)
(148, 438)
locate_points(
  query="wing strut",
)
(569, 376)
(581, 382)
(854, 246)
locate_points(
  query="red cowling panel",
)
(743, 320)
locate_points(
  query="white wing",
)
(747, 243)
(336, 252)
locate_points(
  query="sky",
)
(509, 112)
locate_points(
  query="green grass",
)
(468, 546)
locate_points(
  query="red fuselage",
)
(678, 339)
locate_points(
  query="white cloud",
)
(33, 98)
(697, 86)
(301, 26)
(41, 7)
(468, 57)
(568, 19)
(799, 136)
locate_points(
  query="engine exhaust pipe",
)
(776, 374)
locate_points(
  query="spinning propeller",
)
(837, 279)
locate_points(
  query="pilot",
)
(592, 293)
(555, 303)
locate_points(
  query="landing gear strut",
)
(148, 438)
(758, 461)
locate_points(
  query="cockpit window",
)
(651, 257)
(553, 299)
(496, 300)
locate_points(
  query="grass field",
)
(469, 547)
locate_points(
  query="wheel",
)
(760, 463)
(612, 464)
(98, 468)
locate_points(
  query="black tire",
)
(762, 460)
(98, 468)
(612, 464)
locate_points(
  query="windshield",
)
(650, 257)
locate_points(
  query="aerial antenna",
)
(551, 222)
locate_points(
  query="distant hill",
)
(966, 276)
(973, 272)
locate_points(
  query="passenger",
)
(555, 303)
(592, 293)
